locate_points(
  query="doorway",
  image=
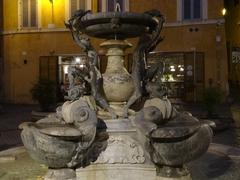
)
(55, 68)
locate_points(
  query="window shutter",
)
(199, 67)
(43, 68)
(33, 13)
(110, 5)
(29, 13)
(82, 4)
(48, 68)
(76, 5)
(25, 13)
(73, 6)
(99, 6)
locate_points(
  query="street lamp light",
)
(224, 11)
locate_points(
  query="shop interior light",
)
(224, 11)
(78, 60)
(65, 69)
(180, 75)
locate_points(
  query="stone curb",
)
(13, 151)
(232, 152)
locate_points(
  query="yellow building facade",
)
(194, 40)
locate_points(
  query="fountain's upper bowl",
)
(120, 25)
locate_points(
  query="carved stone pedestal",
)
(122, 172)
(117, 172)
(125, 157)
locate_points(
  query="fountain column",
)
(117, 82)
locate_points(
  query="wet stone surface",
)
(23, 168)
(215, 166)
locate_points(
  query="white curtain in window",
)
(111, 5)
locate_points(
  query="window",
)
(192, 9)
(77, 4)
(110, 5)
(28, 13)
(71, 6)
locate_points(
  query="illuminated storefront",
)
(183, 73)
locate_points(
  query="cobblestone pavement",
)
(10, 117)
(13, 115)
(228, 133)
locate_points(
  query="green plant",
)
(212, 97)
(44, 92)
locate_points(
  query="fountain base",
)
(55, 174)
(120, 172)
(124, 158)
(220, 162)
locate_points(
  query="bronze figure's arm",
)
(95, 80)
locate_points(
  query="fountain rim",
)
(132, 24)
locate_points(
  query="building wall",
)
(233, 25)
(167, 8)
(1, 50)
(177, 36)
(22, 44)
(233, 38)
(10, 14)
(20, 77)
(204, 40)
(59, 13)
(214, 8)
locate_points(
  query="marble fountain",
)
(97, 135)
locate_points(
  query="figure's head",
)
(156, 89)
(152, 114)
